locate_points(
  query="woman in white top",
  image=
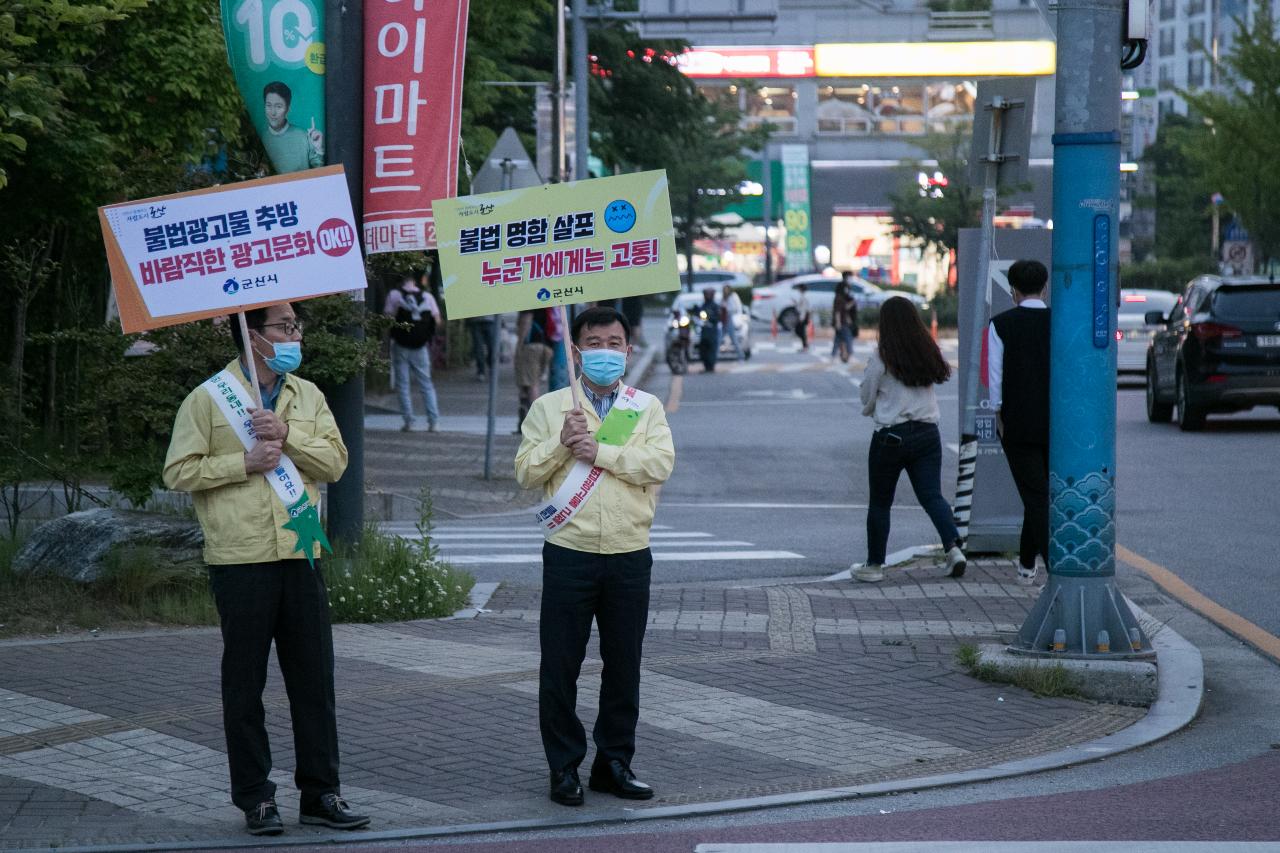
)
(897, 392)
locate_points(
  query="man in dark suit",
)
(1018, 378)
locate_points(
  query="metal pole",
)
(1081, 599)
(557, 104)
(766, 181)
(344, 143)
(581, 109)
(508, 169)
(968, 454)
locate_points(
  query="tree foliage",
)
(932, 217)
(1183, 189)
(1239, 157)
(646, 114)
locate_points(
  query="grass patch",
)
(135, 592)
(381, 578)
(1044, 681)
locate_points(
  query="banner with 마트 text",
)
(414, 53)
(216, 251)
(276, 52)
(557, 244)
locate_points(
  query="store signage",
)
(733, 62)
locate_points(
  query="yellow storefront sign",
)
(556, 244)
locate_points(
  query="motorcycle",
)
(679, 341)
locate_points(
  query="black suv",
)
(1217, 351)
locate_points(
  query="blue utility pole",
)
(1081, 613)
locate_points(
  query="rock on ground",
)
(76, 546)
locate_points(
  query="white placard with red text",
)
(211, 252)
(413, 62)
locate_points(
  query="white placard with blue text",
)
(183, 257)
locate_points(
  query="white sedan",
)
(780, 298)
(1133, 334)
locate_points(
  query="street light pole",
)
(1080, 612)
(344, 144)
(581, 107)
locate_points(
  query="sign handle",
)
(565, 336)
(255, 390)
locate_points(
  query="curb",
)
(1181, 680)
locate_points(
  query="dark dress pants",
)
(914, 447)
(614, 589)
(1029, 464)
(284, 601)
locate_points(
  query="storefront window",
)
(773, 104)
(950, 104)
(905, 109)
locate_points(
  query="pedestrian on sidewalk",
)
(263, 590)
(1018, 379)
(803, 312)
(712, 313)
(417, 317)
(599, 467)
(844, 318)
(897, 393)
(533, 356)
(481, 329)
(732, 311)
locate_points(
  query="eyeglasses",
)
(288, 328)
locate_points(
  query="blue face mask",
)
(603, 366)
(287, 358)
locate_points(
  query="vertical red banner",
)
(413, 58)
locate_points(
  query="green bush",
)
(385, 578)
(1171, 274)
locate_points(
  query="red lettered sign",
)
(413, 58)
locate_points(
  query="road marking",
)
(1230, 621)
(673, 396)
(658, 556)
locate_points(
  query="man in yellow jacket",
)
(599, 467)
(251, 471)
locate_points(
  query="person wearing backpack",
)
(416, 315)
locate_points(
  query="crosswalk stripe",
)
(658, 556)
(450, 547)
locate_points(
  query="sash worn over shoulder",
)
(285, 481)
(580, 485)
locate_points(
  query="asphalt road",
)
(1204, 504)
(770, 478)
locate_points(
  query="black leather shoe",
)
(334, 812)
(617, 779)
(566, 788)
(264, 819)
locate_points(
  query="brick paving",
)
(745, 692)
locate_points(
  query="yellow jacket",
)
(240, 514)
(617, 517)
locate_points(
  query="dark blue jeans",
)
(916, 448)
(614, 589)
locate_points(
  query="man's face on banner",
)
(277, 109)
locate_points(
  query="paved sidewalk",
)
(747, 692)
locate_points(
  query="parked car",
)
(780, 297)
(714, 278)
(1218, 350)
(686, 304)
(1133, 332)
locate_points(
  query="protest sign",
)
(413, 60)
(557, 244)
(216, 251)
(276, 52)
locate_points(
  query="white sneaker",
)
(956, 562)
(870, 573)
(1027, 577)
